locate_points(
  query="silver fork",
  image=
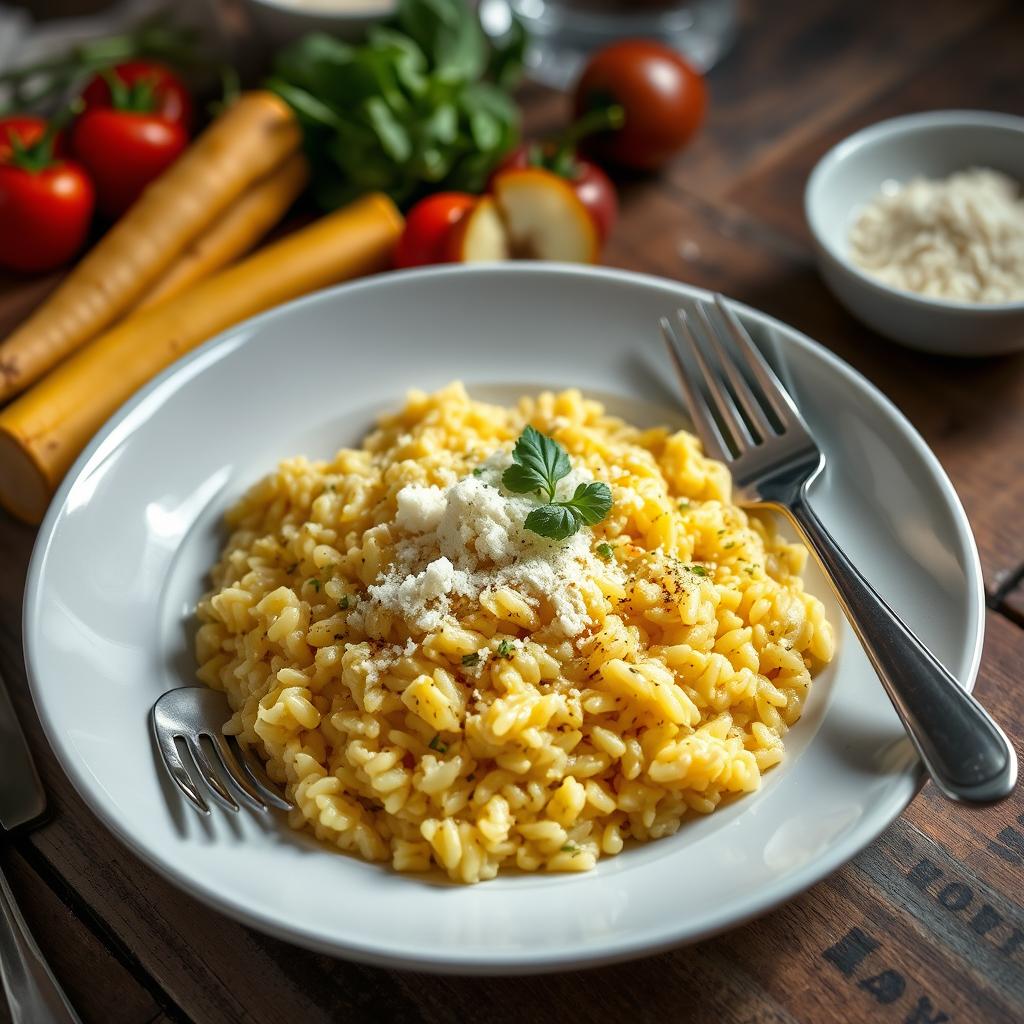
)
(190, 714)
(747, 420)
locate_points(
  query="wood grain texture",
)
(85, 966)
(983, 65)
(1012, 601)
(800, 68)
(926, 924)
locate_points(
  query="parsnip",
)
(240, 227)
(42, 432)
(252, 137)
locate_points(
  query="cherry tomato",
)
(23, 128)
(590, 183)
(427, 227)
(148, 87)
(28, 130)
(44, 214)
(124, 151)
(662, 97)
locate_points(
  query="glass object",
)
(564, 33)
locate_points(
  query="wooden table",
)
(926, 925)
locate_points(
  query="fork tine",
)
(210, 777)
(700, 332)
(703, 418)
(176, 770)
(756, 416)
(258, 776)
(776, 396)
(250, 787)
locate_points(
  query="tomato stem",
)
(606, 117)
(558, 155)
(139, 97)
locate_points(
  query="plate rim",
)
(518, 962)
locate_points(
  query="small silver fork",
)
(182, 719)
(746, 419)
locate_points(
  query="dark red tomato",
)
(427, 228)
(123, 152)
(591, 184)
(28, 131)
(662, 97)
(145, 87)
(44, 214)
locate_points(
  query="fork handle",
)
(34, 995)
(966, 754)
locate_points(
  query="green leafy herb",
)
(478, 471)
(506, 649)
(314, 583)
(729, 545)
(561, 519)
(698, 570)
(436, 744)
(345, 602)
(539, 462)
(605, 550)
(571, 848)
(422, 105)
(684, 504)
(469, 660)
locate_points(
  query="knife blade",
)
(22, 797)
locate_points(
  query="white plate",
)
(121, 557)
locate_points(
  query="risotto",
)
(443, 666)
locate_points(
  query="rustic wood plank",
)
(98, 985)
(988, 842)
(1012, 602)
(795, 70)
(980, 70)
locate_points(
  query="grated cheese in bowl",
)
(960, 237)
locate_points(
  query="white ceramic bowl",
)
(852, 173)
(280, 21)
(122, 557)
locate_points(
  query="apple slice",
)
(479, 236)
(544, 217)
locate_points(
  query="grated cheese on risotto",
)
(468, 541)
(958, 238)
(438, 687)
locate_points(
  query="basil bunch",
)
(422, 105)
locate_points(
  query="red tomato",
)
(123, 152)
(590, 183)
(149, 88)
(662, 96)
(44, 214)
(427, 227)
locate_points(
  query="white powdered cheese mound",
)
(958, 238)
(468, 539)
